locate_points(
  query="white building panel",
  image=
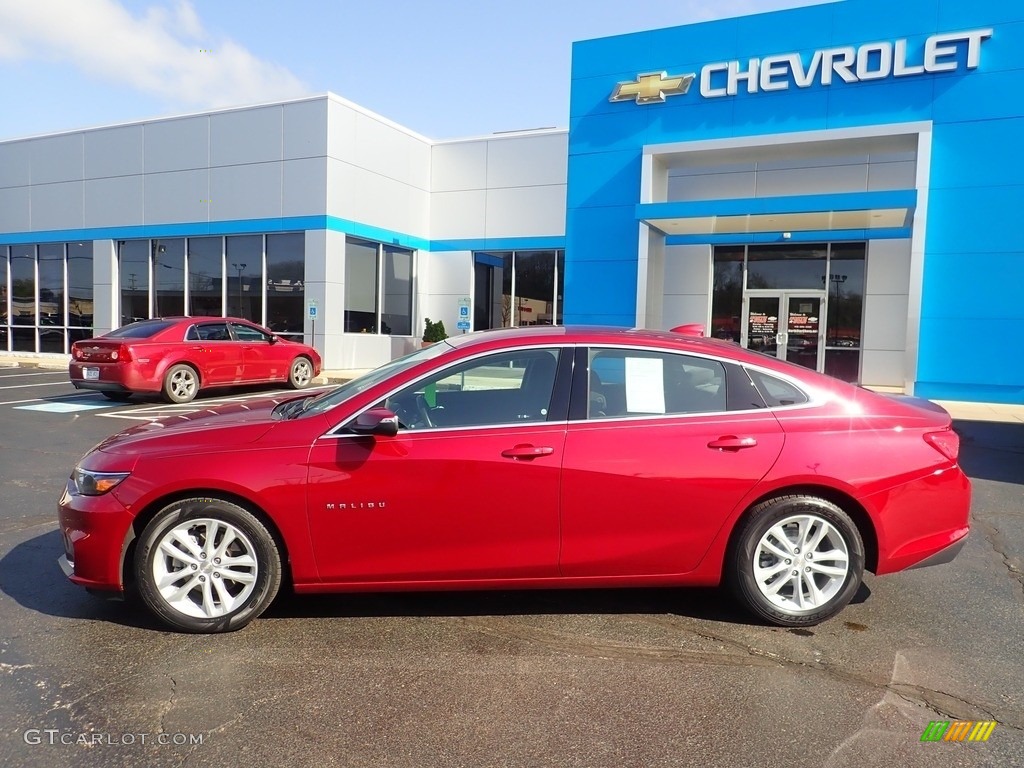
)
(811, 181)
(57, 158)
(177, 197)
(245, 191)
(888, 267)
(382, 149)
(15, 209)
(15, 164)
(304, 187)
(58, 206)
(177, 145)
(459, 167)
(360, 195)
(885, 322)
(882, 368)
(684, 308)
(526, 161)
(114, 202)
(246, 136)
(882, 176)
(719, 186)
(458, 215)
(526, 211)
(341, 130)
(305, 129)
(114, 152)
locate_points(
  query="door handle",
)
(732, 443)
(198, 349)
(527, 451)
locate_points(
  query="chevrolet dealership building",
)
(834, 185)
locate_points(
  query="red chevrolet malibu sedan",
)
(178, 356)
(526, 458)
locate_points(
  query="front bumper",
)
(96, 531)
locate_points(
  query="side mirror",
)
(274, 339)
(376, 421)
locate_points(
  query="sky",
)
(69, 64)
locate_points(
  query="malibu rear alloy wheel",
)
(181, 384)
(797, 560)
(301, 373)
(207, 565)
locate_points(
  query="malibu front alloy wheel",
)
(207, 565)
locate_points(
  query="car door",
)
(209, 345)
(259, 358)
(655, 461)
(467, 490)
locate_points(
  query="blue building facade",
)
(839, 185)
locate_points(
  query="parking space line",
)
(154, 412)
(38, 373)
(40, 399)
(42, 384)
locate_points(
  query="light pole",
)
(241, 268)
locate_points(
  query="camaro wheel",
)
(797, 561)
(181, 384)
(301, 373)
(207, 565)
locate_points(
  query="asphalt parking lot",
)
(598, 678)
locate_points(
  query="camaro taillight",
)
(946, 442)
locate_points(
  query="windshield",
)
(352, 388)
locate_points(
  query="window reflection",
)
(244, 277)
(80, 290)
(205, 276)
(727, 293)
(368, 265)
(51, 297)
(286, 280)
(134, 266)
(5, 316)
(785, 266)
(168, 277)
(23, 297)
(517, 288)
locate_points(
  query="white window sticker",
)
(645, 385)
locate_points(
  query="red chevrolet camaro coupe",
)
(526, 458)
(178, 356)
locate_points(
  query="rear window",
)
(776, 392)
(144, 329)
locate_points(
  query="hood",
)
(202, 430)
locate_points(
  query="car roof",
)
(596, 334)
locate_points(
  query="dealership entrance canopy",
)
(835, 185)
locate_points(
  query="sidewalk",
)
(960, 410)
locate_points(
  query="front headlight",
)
(87, 483)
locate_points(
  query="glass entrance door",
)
(786, 325)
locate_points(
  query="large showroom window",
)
(45, 296)
(759, 287)
(378, 288)
(513, 288)
(256, 277)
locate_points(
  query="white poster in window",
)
(645, 385)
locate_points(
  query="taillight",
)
(76, 351)
(121, 354)
(946, 442)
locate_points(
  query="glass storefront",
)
(514, 288)
(774, 298)
(255, 277)
(46, 295)
(378, 288)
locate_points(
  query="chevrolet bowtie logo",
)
(652, 88)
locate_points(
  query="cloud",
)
(158, 53)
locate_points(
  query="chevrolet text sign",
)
(870, 61)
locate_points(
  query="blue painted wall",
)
(974, 263)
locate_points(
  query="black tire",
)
(181, 384)
(200, 600)
(300, 375)
(118, 397)
(793, 603)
